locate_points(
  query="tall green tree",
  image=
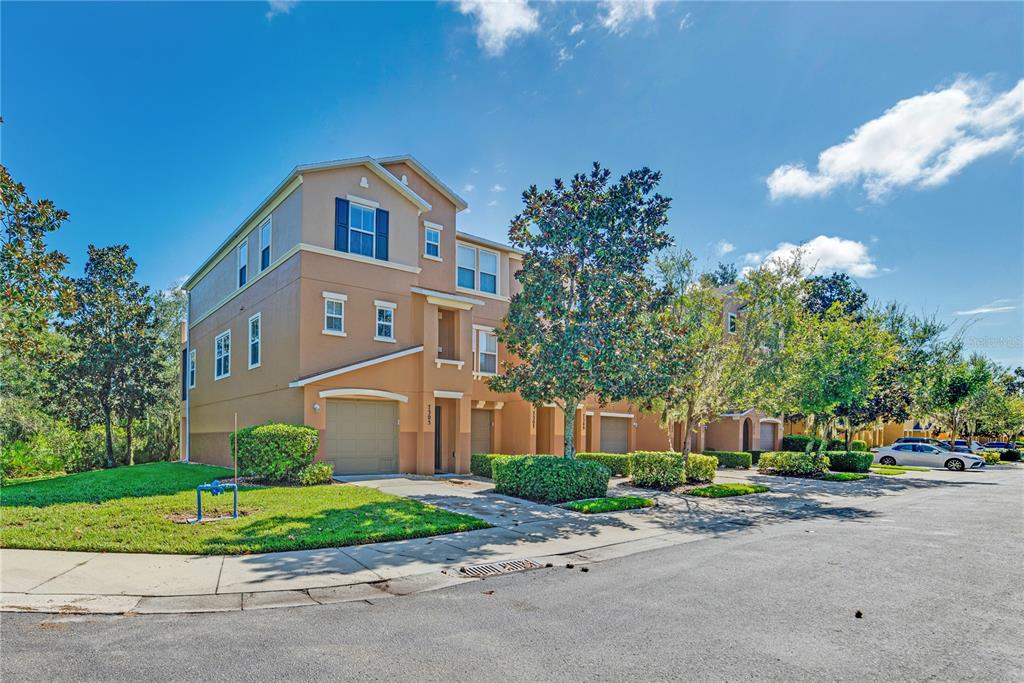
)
(111, 334)
(580, 325)
(838, 288)
(33, 288)
(950, 394)
(159, 430)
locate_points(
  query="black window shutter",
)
(184, 374)
(341, 224)
(381, 250)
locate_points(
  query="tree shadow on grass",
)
(98, 486)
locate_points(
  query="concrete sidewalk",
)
(115, 583)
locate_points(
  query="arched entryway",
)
(747, 427)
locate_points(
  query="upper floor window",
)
(243, 261)
(222, 355)
(385, 321)
(334, 314)
(732, 323)
(487, 349)
(362, 229)
(192, 369)
(476, 269)
(265, 235)
(255, 325)
(432, 242)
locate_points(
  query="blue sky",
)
(162, 125)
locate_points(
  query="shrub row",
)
(991, 457)
(701, 468)
(851, 461)
(275, 452)
(732, 458)
(656, 470)
(1010, 455)
(797, 443)
(792, 463)
(482, 464)
(549, 480)
(619, 463)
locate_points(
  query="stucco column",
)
(557, 432)
(496, 427)
(425, 433)
(631, 434)
(463, 420)
(595, 432)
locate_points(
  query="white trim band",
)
(370, 393)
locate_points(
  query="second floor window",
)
(432, 242)
(222, 355)
(361, 229)
(192, 369)
(243, 262)
(265, 234)
(334, 316)
(255, 324)
(476, 269)
(731, 324)
(385, 321)
(487, 347)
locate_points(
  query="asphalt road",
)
(936, 575)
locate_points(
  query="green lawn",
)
(844, 476)
(611, 504)
(134, 509)
(727, 490)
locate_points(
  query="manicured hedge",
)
(549, 480)
(658, 470)
(991, 457)
(858, 445)
(275, 452)
(790, 463)
(1010, 455)
(701, 468)
(316, 473)
(852, 461)
(480, 463)
(797, 443)
(732, 459)
(619, 463)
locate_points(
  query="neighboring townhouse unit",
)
(349, 301)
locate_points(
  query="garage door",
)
(614, 434)
(481, 431)
(362, 436)
(767, 437)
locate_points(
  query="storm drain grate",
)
(496, 568)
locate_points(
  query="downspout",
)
(188, 388)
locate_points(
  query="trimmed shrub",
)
(794, 464)
(797, 443)
(481, 464)
(1010, 455)
(658, 470)
(701, 468)
(732, 459)
(619, 463)
(834, 444)
(991, 457)
(549, 480)
(275, 452)
(315, 473)
(858, 445)
(852, 461)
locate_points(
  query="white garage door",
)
(362, 436)
(767, 442)
(614, 434)
(480, 430)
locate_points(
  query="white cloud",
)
(997, 306)
(724, 247)
(498, 187)
(581, 43)
(493, 202)
(468, 187)
(823, 254)
(621, 14)
(686, 22)
(499, 21)
(920, 142)
(279, 7)
(564, 56)
(576, 28)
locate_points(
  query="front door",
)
(437, 438)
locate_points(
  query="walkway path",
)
(114, 583)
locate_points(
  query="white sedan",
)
(927, 455)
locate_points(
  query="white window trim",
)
(478, 351)
(269, 225)
(336, 298)
(242, 246)
(730, 323)
(368, 203)
(372, 208)
(192, 369)
(427, 225)
(384, 306)
(259, 341)
(225, 333)
(477, 272)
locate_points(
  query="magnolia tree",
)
(711, 366)
(580, 325)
